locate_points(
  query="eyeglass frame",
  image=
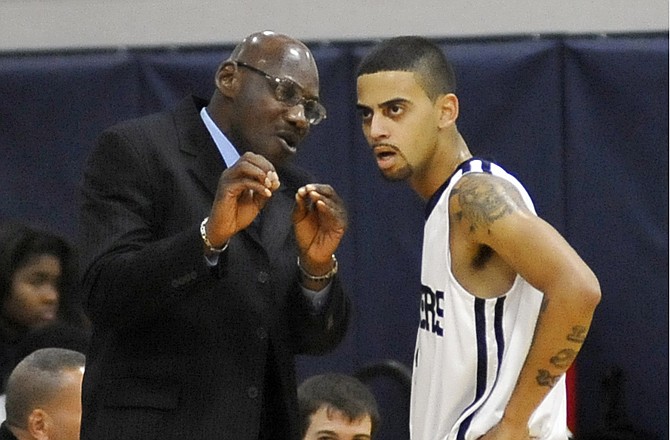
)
(275, 82)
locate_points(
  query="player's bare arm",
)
(497, 218)
(482, 199)
(477, 202)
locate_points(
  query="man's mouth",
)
(289, 142)
(385, 156)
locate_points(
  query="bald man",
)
(44, 396)
(210, 259)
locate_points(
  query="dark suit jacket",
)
(180, 350)
(5, 433)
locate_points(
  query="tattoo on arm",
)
(563, 358)
(578, 334)
(545, 379)
(484, 200)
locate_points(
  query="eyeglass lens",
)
(289, 92)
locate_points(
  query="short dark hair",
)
(336, 392)
(53, 335)
(36, 380)
(414, 54)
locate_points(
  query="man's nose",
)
(378, 128)
(296, 115)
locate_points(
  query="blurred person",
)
(44, 396)
(55, 335)
(210, 259)
(506, 302)
(337, 407)
(38, 286)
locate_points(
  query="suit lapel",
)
(195, 141)
(272, 228)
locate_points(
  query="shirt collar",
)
(227, 150)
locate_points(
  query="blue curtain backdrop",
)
(581, 120)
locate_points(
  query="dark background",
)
(582, 121)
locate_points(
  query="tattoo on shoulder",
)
(484, 199)
(578, 334)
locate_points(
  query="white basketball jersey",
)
(469, 351)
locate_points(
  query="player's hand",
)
(242, 191)
(320, 220)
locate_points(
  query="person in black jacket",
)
(209, 259)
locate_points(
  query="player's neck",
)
(449, 156)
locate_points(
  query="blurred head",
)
(57, 335)
(407, 106)
(267, 95)
(43, 396)
(36, 269)
(337, 406)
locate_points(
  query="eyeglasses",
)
(290, 93)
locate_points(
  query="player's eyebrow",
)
(389, 103)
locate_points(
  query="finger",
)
(238, 188)
(274, 180)
(248, 174)
(308, 198)
(263, 170)
(300, 210)
(258, 160)
(313, 193)
(330, 200)
(324, 190)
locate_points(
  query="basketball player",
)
(505, 301)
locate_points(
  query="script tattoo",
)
(578, 334)
(564, 358)
(545, 379)
(484, 200)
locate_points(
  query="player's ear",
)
(447, 106)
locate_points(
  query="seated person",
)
(56, 335)
(44, 396)
(38, 279)
(337, 407)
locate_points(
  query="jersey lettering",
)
(432, 310)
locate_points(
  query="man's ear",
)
(448, 110)
(39, 424)
(226, 78)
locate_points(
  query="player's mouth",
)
(386, 156)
